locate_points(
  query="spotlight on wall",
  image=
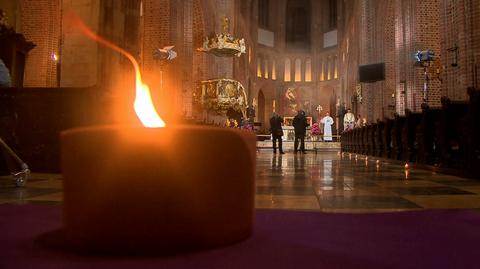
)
(55, 57)
(424, 56)
(166, 53)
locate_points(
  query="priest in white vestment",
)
(327, 122)
(348, 120)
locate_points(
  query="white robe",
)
(348, 121)
(327, 122)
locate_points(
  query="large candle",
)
(135, 189)
(129, 189)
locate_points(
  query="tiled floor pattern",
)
(335, 182)
(327, 181)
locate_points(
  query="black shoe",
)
(304, 152)
(281, 152)
(295, 152)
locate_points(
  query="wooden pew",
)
(363, 140)
(379, 147)
(426, 137)
(396, 136)
(356, 144)
(344, 142)
(387, 138)
(348, 141)
(409, 131)
(451, 145)
(371, 128)
(471, 134)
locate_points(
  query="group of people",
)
(300, 125)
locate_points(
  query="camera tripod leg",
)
(20, 176)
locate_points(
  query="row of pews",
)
(447, 137)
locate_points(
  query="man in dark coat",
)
(300, 125)
(277, 132)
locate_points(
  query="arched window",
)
(259, 67)
(288, 70)
(322, 70)
(274, 70)
(298, 70)
(265, 68)
(335, 67)
(298, 23)
(328, 68)
(308, 70)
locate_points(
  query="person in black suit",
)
(300, 126)
(277, 132)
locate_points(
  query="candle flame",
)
(143, 104)
(144, 107)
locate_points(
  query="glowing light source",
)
(55, 57)
(143, 104)
(144, 107)
(287, 75)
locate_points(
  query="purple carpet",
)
(282, 239)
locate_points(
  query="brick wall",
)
(391, 31)
(40, 23)
(199, 62)
(427, 36)
(460, 47)
(475, 33)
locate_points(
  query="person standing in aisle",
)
(277, 132)
(300, 126)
